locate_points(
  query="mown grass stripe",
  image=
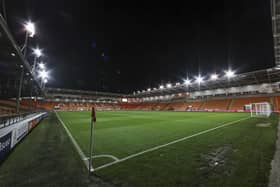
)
(76, 145)
(167, 144)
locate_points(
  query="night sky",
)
(123, 46)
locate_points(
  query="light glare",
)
(229, 74)
(187, 82)
(214, 76)
(42, 66)
(199, 79)
(30, 28)
(43, 74)
(168, 85)
(37, 52)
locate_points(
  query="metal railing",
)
(7, 120)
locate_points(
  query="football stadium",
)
(209, 129)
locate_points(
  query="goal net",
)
(260, 109)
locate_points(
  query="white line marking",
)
(104, 155)
(76, 145)
(167, 144)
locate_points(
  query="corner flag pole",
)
(93, 120)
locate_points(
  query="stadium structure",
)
(24, 99)
(209, 93)
(212, 95)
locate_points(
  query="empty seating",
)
(235, 104)
(195, 105)
(239, 103)
(9, 107)
(277, 103)
(178, 106)
(221, 104)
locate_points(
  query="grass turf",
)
(44, 158)
(241, 152)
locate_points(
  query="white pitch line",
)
(167, 144)
(104, 155)
(78, 149)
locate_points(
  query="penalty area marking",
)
(167, 144)
(76, 145)
(106, 156)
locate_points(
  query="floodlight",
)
(214, 76)
(277, 67)
(199, 79)
(161, 86)
(45, 81)
(43, 74)
(168, 85)
(229, 73)
(149, 89)
(177, 84)
(30, 28)
(37, 52)
(187, 82)
(42, 65)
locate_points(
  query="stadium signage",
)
(5, 145)
(32, 124)
(10, 136)
(21, 131)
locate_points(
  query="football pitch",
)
(153, 148)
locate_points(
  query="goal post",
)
(260, 109)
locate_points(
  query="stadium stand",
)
(229, 104)
(8, 106)
(217, 105)
(178, 106)
(239, 103)
(276, 101)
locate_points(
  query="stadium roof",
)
(266, 76)
(60, 91)
(11, 62)
(271, 75)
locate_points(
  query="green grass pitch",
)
(238, 154)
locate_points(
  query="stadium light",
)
(30, 28)
(42, 65)
(187, 82)
(199, 79)
(168, 85)
(45, 81)
(277, 67)
(161, 87)
(37, 52)
(214, 76)
(43, 74)
(149, 89)
(229, 74)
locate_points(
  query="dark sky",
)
(123, 46)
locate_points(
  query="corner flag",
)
(93, 120)
(93, 115)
